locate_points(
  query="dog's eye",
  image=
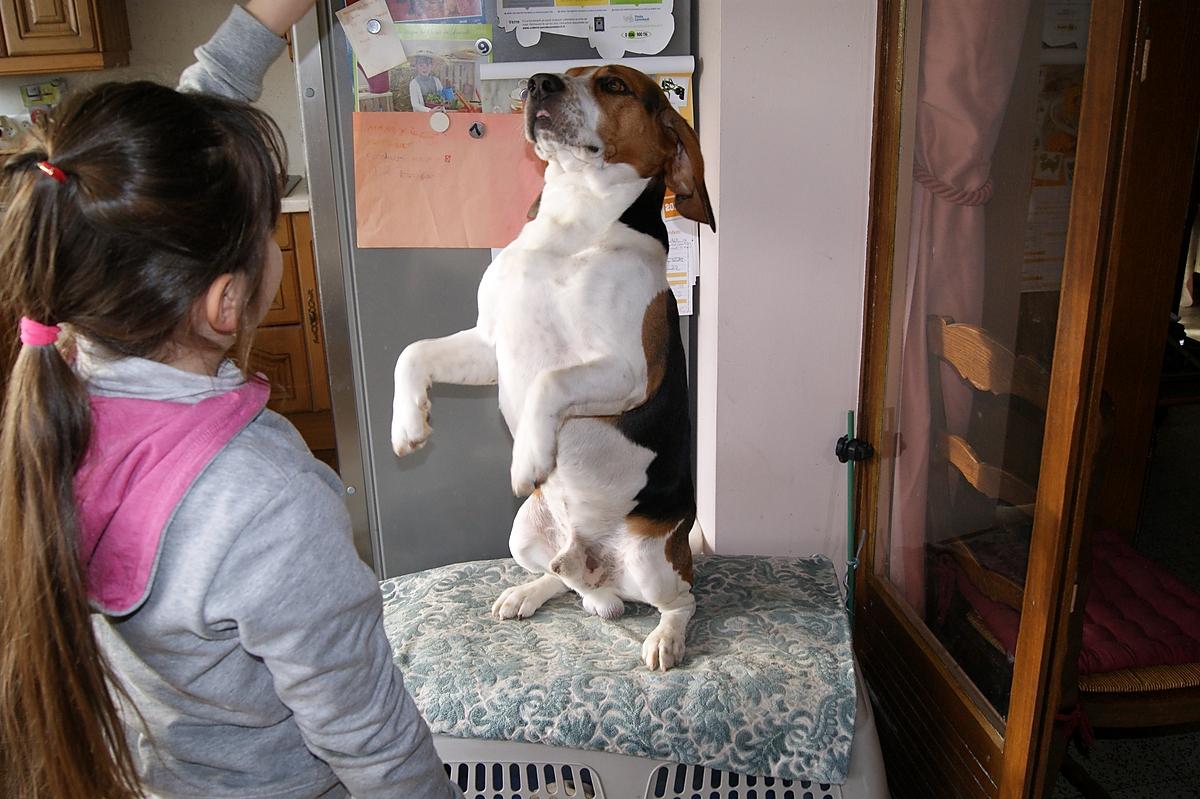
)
(614, 86)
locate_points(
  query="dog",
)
(580, 331)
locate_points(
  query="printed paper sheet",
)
(1053, 173)
(613, 27)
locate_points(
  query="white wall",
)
(164, 34)
(785, 103)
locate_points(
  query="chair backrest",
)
(987, 365)
(989, 480)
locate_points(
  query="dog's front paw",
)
(520, 601)
(663, 648)
(410, 423)
(533, 457)
(410, 410)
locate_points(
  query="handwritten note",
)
(418, 188)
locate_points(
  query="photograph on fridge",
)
(440, 73)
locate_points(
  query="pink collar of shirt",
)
(143, 458)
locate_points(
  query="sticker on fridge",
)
(613, 27)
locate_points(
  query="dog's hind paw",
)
(604, 602)
(663, 648)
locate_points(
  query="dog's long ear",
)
(685, 170)
(533, 209)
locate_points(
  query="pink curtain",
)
(969, 51)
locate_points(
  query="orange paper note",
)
(415, 187)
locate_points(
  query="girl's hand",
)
(279, 15)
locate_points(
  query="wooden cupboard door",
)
(314, 326)
(279, 353)
(283, 231)
(41, 27)
(286, 308)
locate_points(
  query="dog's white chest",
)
(536, 324)
(554, 310)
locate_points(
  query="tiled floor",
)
(1164, 767)
(1160, 767)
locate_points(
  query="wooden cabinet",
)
(959, 713)
(289, 347)
(279, 353)
(44, 36)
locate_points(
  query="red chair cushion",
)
(1137, 614)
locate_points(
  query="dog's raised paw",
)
(663, 648)
(533, 460)
(410, 424)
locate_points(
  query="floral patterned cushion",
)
(766, 687)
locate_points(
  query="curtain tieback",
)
(947, 192)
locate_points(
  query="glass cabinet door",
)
(989, 138)
(979, 115)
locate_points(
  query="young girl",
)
(182, 611)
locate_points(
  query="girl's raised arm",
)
(279, 15)
(233, 62)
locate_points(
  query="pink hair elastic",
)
(35, 334)
(52, 171)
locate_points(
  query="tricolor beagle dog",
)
(580, 331)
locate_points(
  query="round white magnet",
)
(439, 121)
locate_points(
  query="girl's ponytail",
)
(54, 683)
(53, 679)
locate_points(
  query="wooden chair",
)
(992, 563)
(1016, 387)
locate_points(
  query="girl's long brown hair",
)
(165, 192)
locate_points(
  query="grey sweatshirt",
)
(233, 62)
(258, 666)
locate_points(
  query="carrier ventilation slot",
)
(698, 782)
(495, 780)
(524, 781)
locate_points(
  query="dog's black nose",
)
(544, 84)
